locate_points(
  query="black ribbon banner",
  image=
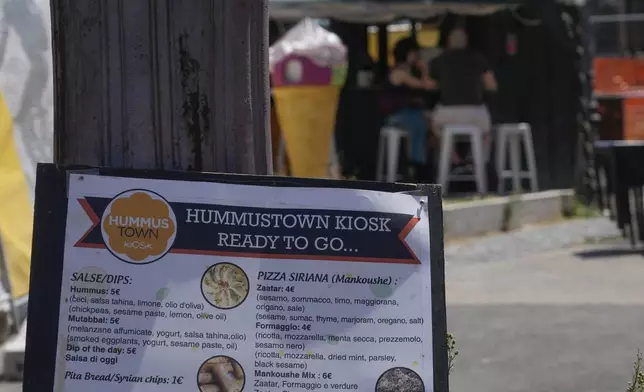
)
(206, 229)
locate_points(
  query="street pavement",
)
(12, 387)
(565, 320)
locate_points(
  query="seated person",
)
(408, 93)
(462, 76)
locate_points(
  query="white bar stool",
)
(510, 137)
(448, 136)
(389, 150)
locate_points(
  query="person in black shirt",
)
(463, 76)
(406, 93)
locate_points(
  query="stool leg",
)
(479, 163)
(515, 163)
(445, 160)
(380, 167)
(488, 146)
(501, 156)
(393, 150)
(532, 161)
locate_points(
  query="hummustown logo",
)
(139, 226)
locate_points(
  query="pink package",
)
(308, 54)
(289, 72)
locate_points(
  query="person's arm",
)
(489, 81)
(424, 70)
(430, 83)
(400, 77)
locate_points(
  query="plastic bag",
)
(309, 39)
(308, 54)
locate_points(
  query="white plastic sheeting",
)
(26, 84)
(312, 41)
(26, 79)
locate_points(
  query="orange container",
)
(633, 114)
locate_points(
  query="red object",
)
(312, 74)
(511, 44)
(617, 75)
(633, 109)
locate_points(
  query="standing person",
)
(463, 76)
(407, 93)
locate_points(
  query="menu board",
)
(216, 287)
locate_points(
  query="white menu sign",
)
(211, 287)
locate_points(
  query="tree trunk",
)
(162, 84)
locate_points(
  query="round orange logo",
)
(139, 226)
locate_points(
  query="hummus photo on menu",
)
(221, 374)
(400, 380)
(225, 285)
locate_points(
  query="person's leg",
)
(482, 119)
(413, 121)
(417, 130)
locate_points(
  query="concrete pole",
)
(162, 84)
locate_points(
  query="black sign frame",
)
(48, 250)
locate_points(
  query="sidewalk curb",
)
(476, 218)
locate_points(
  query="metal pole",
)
(383, 52)
(587, 180)
(623, 31)
(162, 84)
